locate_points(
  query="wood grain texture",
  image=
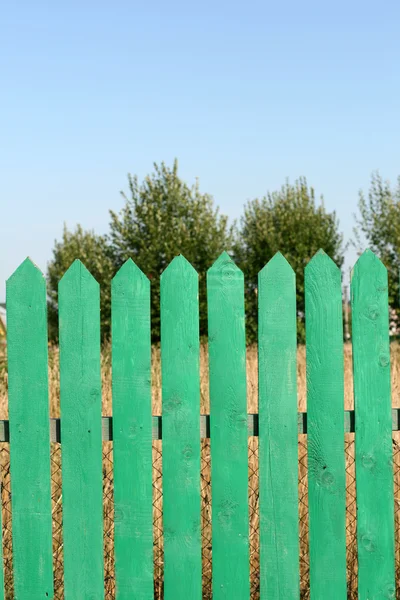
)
(29, 433)
(180, 369)
(278, 441)
(229, 450)
(81, 450)
(373, 439)
(132, 434)
(325, 423)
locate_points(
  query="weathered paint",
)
(229, 458)
(278, 442)
(29, 433)
(373, 438)
(132, 434)
(81, 450)
(325, 423)
(180, 370)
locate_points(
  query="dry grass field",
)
(206, 484)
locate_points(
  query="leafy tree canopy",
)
(290, 221)
(161, 218)
(379, 222)
(164, 217)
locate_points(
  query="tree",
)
(164, 217)
(93, 250)
(379, 222)
(289, 221)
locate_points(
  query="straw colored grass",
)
(252, 387)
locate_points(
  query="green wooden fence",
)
(132, 428)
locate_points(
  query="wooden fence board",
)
(325, 423)
(29, 433)
(278, 441)
(132, 434)
(373, 439)
(229, 450)
(180, 370)
(81, 450)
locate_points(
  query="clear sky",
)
(244, 94)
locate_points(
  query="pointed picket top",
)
(129, 270)
(26, 287)
(77, 271)
(369, 264)
(322, 282)
(26, 269)
(224, 265)
(369, 288)
(321, 260)
(179, 264)
(129, 287)
(277, 264)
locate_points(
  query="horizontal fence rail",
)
(252, 426)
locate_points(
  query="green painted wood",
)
(29, 433)
(278, 441)
(373, 438)
(132, 434)
(81, 449)
(325, 424)
(180, 369)
(229, 451)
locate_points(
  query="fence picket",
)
(180, 367)
(325, 423)
(29, 433)
(29, 567)
(81, 448)
(373, 439)
(278, 454)
(229, 449)
(132, 434)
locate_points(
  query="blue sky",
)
(244, 94)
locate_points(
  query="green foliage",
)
(162, 218)
(289, 221)
(93, 250)
(379, 222)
